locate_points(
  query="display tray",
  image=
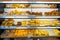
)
(31, 13)
(30, 33)
(28, 23)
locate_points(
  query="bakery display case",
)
(29, 21)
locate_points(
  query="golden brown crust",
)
(53, 13)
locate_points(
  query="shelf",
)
(14, 27)
(25, 16)
(51, 34)
(33, 8)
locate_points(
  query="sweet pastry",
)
(53, 13)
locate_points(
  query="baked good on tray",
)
(53, 13)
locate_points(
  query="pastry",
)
(9, 22)
(24, 23)
(53, 13)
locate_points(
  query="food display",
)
(20, 20)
